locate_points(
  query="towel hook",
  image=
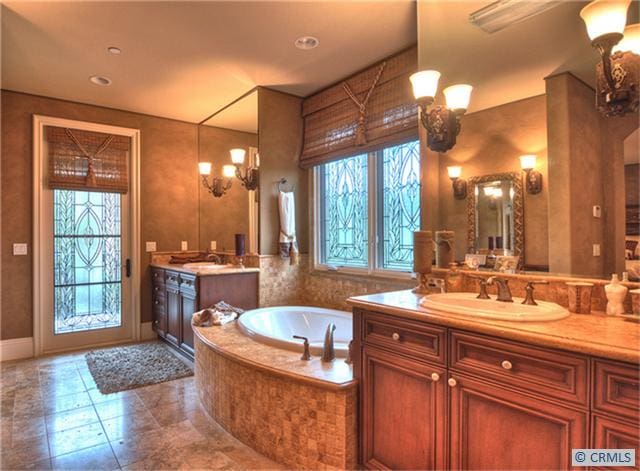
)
(283, 181)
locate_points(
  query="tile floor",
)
(52, 416)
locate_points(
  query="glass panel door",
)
(87, 261)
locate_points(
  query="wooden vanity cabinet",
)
(177, 295)
(440, 398)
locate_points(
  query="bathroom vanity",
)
(178, 292)
(440, 392)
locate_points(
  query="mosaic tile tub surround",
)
(296, 423)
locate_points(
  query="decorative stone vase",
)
(616, 293)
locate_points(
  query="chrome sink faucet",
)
(328, 352)
(504, 293)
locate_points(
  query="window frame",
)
(375, 249)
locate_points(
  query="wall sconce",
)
(534, 178)
(459, 185)
(218, 186)
(251, 177)
(442, 123)
(618, 73)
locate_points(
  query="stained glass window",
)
(400, 208)
(87, 240)
(344, 212)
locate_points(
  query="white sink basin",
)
(467, 305)
(207, 266)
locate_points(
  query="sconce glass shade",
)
(425, 83)
(528, 162)
(237, 156)
(605, 17)
(458, 96)
(257, 161)
(454, 172)
(229, 171)
(204, 168)
(631, 40)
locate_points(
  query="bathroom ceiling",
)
(184, 60)
(510, 64)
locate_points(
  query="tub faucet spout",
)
(328, 352)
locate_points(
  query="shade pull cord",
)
(91, 176)
(361, 136)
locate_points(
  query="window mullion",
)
(373, 210)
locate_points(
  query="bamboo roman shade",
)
(86, 160)
(372, 109)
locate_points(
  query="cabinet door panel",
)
(617, 389)
(609, 433)
(173, 315)
(403, 413)
(189, 306)
(496, 428)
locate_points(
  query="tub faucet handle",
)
(306, 356)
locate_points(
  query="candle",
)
(422, 251)
(444, 248)
(499, 242)
(490, 242)
(240, 245)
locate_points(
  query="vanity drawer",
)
(157, 276)
(172, 278)
(412, 338)
(616, 389)
(541, 371)
(187, 284)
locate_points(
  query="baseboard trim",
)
(15, 349)
(147, 332)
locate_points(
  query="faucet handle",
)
(528, 299)
(306, 355)
(483, 287)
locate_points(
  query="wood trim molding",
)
(16, 349)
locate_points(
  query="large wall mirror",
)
(236, 212)
(534, 94)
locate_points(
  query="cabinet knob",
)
(395, 336)
(452, 382)
(155, 275)
(156, 302)
(506, 364)
(435, 377)
(155, 288)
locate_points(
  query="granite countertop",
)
(611, 337)
(230, 342)
(203, 271)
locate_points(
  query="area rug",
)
(133, 366)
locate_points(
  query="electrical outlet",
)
(19, 249)
(184, 245)
(596, 250)
(213, 245)
(597, 211)
(150, 246)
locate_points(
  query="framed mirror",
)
(495, 215)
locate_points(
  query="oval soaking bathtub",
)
(277, 325)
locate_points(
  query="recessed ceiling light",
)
(100, 80)
(114, 50)
(307, 42)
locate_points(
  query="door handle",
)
(127, 267)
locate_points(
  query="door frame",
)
(39, 173)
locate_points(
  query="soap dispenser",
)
(616, 293)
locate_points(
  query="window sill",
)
(403, 280)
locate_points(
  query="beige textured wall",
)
(280, 141)
(491, 141)
(169, 200)
(221, 218)
(586, 155)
